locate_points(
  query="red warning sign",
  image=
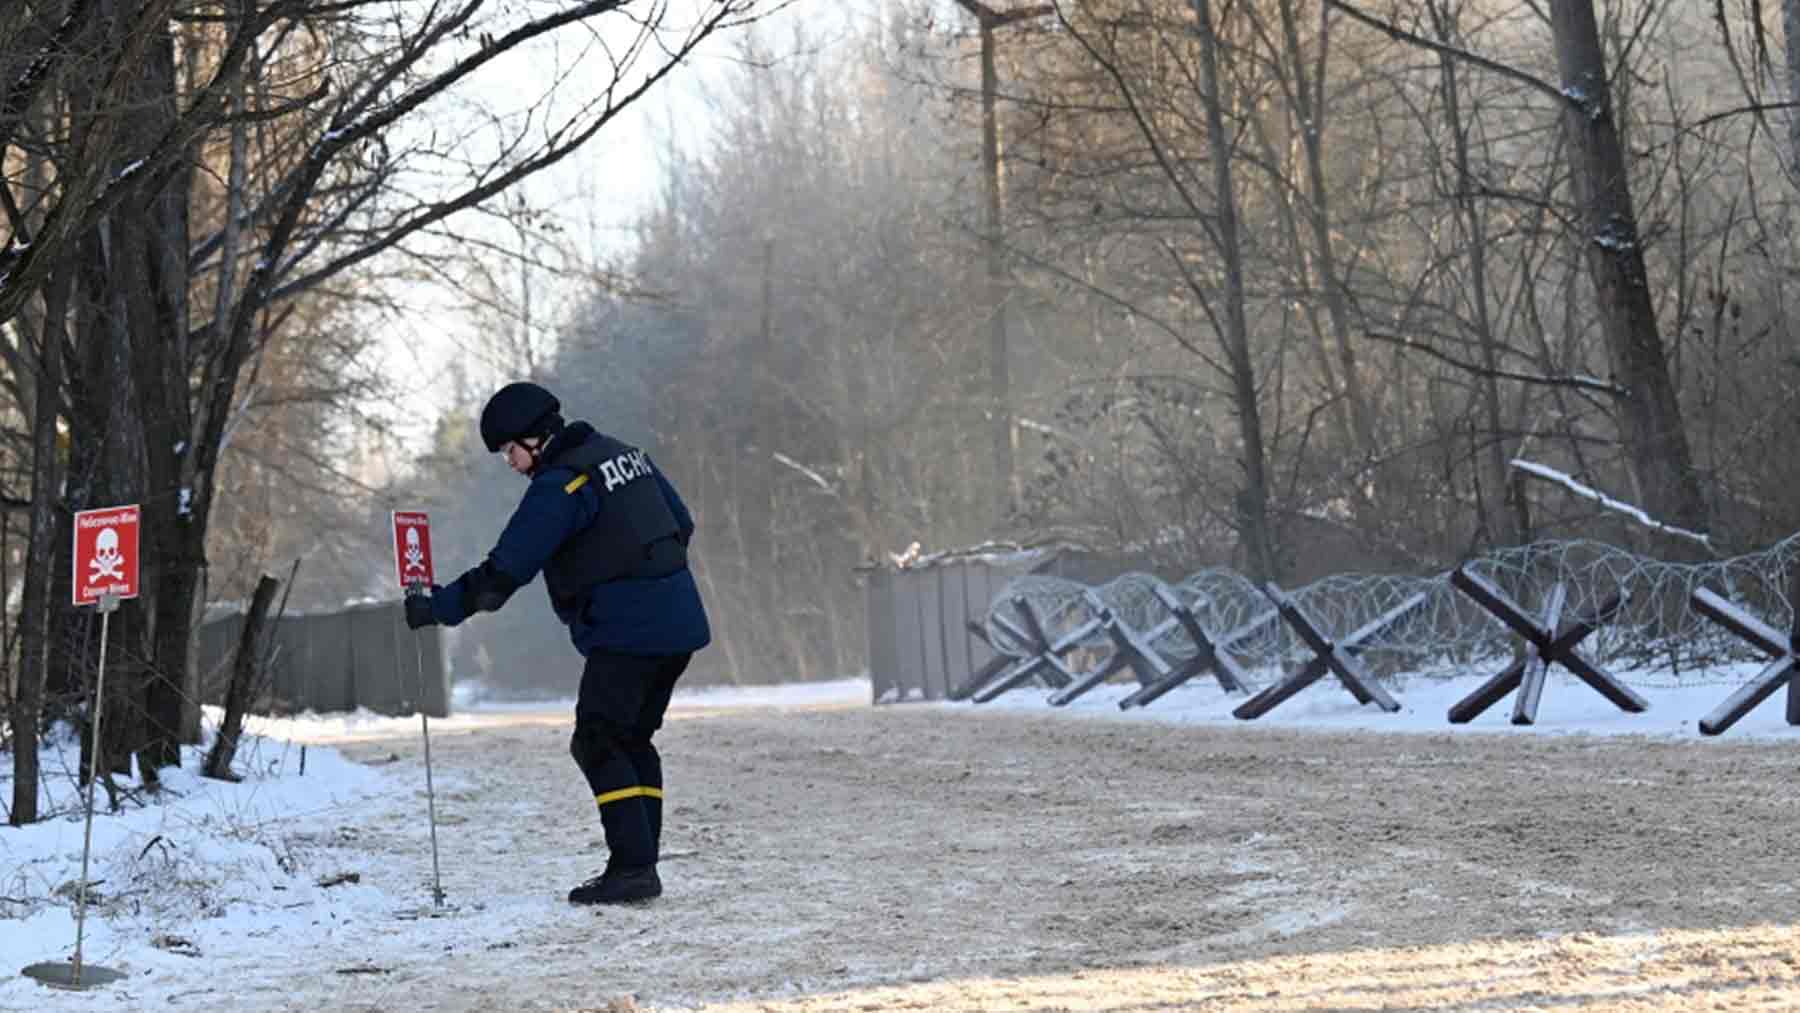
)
(106, 553)
(412, 548)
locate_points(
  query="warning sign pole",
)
(105, 560)
(412, 564)
(437, 887)
(108, 603)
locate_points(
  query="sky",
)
(593, 198)
(595, 194)
(214, 872)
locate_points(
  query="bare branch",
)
(1399, 34)
(1476, 369)
(991, 18)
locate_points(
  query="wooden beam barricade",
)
(1782, 671)
(994, 665)
(1549, 638)
(1130, 649)
(1209, 654)
(1044, 659)
(1335, 656)
(1547, 642)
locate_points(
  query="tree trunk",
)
(1650, 425)
(1501, 511)
(1005, 434)
(246, 679)
(999, 361)
(40, 550)
(159, 329)
(62, 678)
(1309, 104)
(112, 472)
(1253, 498)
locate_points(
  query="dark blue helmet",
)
(516, 411)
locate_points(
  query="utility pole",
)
(999, 370)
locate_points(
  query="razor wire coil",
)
(1655, 624)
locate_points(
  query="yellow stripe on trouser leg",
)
(635, 791)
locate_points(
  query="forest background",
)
(1289, 286)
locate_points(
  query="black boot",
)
(622, 885)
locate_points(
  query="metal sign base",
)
(412, 914)
(64, 975)
(441, 909)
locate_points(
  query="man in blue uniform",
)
(610, 535)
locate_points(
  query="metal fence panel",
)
(363, 656)
(931, 634)
(329, 682)
(377, 662)
(908, 652)
(884, 651)
(953, 602)
(919, 641)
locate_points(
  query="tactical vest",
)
(633, 535)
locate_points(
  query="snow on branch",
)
(1608, 503)
(816, 478)
(1032, 425)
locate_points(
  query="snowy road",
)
(939, 858)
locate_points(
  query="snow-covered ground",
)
(216, 875)
(317, 864)
(1566, 706)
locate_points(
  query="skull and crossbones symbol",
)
(108, 562)
(414, 554)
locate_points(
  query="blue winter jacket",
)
(641, 616)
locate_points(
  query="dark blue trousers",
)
(621, 706)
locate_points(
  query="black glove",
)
(418, 610)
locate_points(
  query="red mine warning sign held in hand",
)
(106, 554)
(412, 548)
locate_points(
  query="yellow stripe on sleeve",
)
(575, 483)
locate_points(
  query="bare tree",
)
(1235, 332)
(34, 606)
(1504, 509)
(1160, 177)
(1302, 66)
(327, 190)
(1650, 427)
(247, 676)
